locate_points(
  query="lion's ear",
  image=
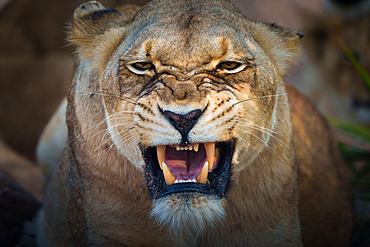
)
(95, 28)
(280, 44)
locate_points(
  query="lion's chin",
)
(188, 215)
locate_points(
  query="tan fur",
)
(99, 191)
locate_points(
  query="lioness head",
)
(190, 97)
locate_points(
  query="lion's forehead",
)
(196, 32)
(190, 14)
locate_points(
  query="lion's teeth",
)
(178, 148)
(196, 147)
(210, 150)
(202, 177)
(168, 177)
(185, 181)
(161, 152)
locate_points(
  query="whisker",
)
(110, 95)
(271, 135)
(110, 138)
(250, 123)
(131, 139)
(244, 141)
(267, 131)
(125, 117)
(104, 130)
(266, 144)
(263, 131)
(266, 96)
(98, 125)
(94, 126)
(119, 112)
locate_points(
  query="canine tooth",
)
(168, 177)
(217, 154)
(196, 147)
(202, 177)
(161, 152)
(210, 150)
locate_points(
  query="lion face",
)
(190, 98)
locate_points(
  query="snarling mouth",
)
(200, 167)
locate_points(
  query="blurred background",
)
(36, 68)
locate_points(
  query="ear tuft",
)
(280, 44)
(96, 31)
(87, 8)
(90, 20)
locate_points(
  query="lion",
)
(181, 133)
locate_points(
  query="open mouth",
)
(200, 167)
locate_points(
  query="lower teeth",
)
(185, 181)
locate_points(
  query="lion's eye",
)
(231, 67)
(140, 67)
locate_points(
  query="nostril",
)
(183, 123)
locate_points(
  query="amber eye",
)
(229, 66)
(140, 68)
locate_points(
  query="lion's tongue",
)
(184, 164)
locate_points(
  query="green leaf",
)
(353, 151)
(354, 130)
(360, 69)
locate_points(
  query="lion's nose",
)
(183, 123)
